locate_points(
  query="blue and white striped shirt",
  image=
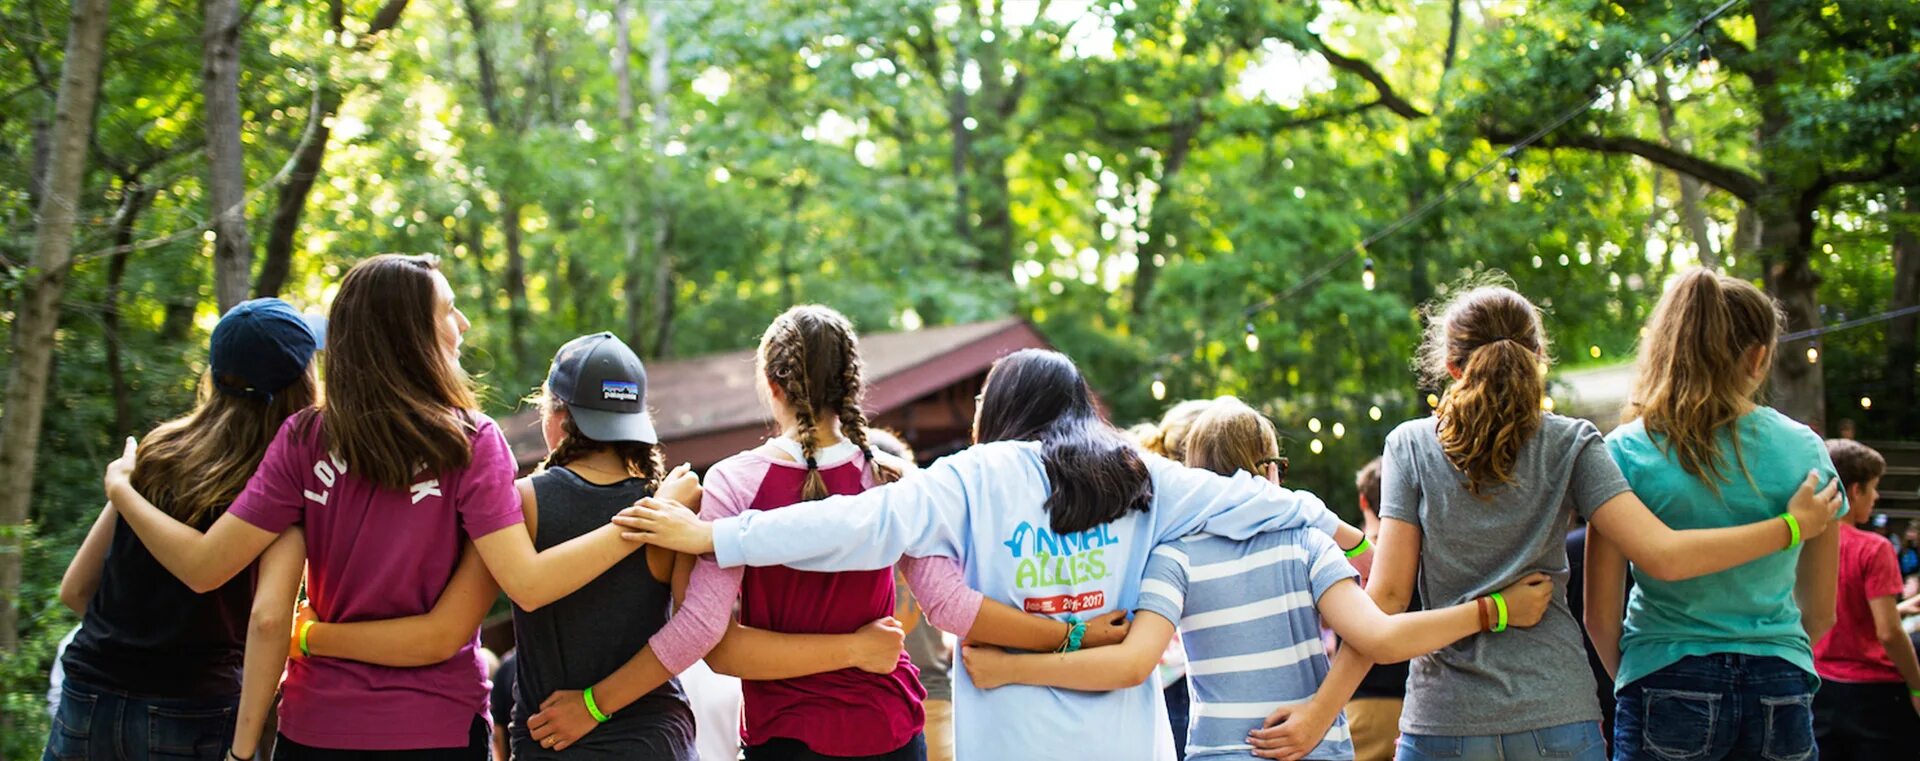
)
(1247, 618)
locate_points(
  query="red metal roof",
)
(706, 408)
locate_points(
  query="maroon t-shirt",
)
(840, 713)
(1851, 651)
(376, 553)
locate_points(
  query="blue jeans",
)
(1720, 706)
(94, 724)
(1580, 741)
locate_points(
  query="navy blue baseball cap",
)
(604, 387)
(262, 346)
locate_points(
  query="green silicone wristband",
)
(1362, 547)
(1915, 693)
(593, 709)
(1793, 529)
(1500, 609)
(304, 628)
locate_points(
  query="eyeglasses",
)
(1279, 464)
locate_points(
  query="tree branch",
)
(1364, 70)
(1739, 183)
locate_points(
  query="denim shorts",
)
(1723, 705)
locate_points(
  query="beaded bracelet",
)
(1074, 635)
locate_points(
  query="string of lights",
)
(1358, 250)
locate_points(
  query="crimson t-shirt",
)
(1851, 651)
(376, 553)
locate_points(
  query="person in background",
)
(1868, 706)
(926, 644)
(1721, 665)
(156, 667)
(500, 704)
(1910, 549)
(1577, 604)
(1374, 712)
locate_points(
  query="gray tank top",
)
(575, 641)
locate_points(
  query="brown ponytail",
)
(1229, 437)
(1693, 378)
(811, 353)
(1493, 338)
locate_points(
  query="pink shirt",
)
(843, 713)
(376, 553)
(1851, 651)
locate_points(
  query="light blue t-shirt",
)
(985, 507)
(1248, 619)
(1749, 609)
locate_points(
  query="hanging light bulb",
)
(1813, 354)
(1253, 339)
(1866, 402)
(1513, 184)
(1315, 446)
(1704, 62)
(1374, 412)
(1546, 403)
(1313, 425)
(1433, 400)
(1339, 430)
(1159, 388)
(1366, 274)
(1594, 351)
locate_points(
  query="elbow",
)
(269, 624)
(1817, 624)
(75, 598)
(1136, 673)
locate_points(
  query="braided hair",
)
(810, 353)
(643, 461)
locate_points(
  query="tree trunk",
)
(1165, 212)
(635, 277)
(1691, 189)
(39, 315)
(226, 161)
(292, 202)
(1901, 332)
(515, 280)
(135, 197)
(659, 55)
(1786, 241)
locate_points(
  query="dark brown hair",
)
(1492, 336)
(1368, 482)
(395, 399)
(1230, 436)
(641, 460)
(1693, 377)
(811, 353)
(1095, 472)
(194, 466)
(1857, 464)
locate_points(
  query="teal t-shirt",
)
(1749, 609)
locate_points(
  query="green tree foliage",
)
(1130, 176)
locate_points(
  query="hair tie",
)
(811, 465)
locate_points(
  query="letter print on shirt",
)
(1045, 561)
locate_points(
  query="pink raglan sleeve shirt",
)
(701, 620)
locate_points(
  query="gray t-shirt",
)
(1520, 679)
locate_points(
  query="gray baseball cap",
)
(604, 387)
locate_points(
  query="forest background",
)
(1147, 181)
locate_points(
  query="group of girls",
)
(398, 499)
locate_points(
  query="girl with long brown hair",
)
(1720, 666)
(813, 384)
(156, 666)
(385, 475)
(1481, 494)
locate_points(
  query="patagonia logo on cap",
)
(620, 391)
